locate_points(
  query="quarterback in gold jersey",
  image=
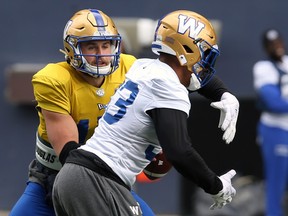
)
(59, 89)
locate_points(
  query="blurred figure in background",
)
(271, 85)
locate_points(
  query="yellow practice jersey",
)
(60, 88)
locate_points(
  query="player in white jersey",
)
(147, 115)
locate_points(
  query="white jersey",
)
(125, 138)
(265, 73)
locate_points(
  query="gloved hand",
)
(229, 109)
(225, 195)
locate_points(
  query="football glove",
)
(225, 195)
(229, 109)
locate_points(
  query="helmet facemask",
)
(204, 69)
(80, 63)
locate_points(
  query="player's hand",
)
(225, 195)
(229, 109)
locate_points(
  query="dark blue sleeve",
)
(270, 96)
(214, 89)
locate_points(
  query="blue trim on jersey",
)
(271, 97)
(83, 127)
(99, 20)
(149, 153)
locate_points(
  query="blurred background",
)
(31, 36)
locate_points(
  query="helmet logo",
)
(188, 23)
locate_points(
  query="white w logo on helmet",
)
(194, 28)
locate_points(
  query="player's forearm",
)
(214, 89)
(272, 99)
(171, 129)
(188, 162)
(191, 165)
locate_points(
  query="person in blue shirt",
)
(271, 85)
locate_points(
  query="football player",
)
(147, 114)
(71, 97)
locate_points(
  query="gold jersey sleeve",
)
(59, 88)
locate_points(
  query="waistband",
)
(46, 155)
(94, 163)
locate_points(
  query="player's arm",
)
(272, 99)
(51, 94)
(214, 89)
(171, 129)
(61, 130)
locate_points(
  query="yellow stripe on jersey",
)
(59, 88)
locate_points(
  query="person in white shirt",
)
(271, 86)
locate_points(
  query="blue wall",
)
(31, 32)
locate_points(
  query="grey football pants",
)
(79, 191)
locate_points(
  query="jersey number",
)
(128, 93)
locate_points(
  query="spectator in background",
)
(271, 85)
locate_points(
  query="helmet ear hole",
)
(188, 49)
